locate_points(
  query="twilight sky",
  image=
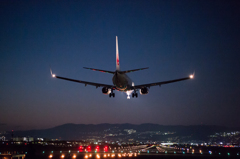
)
(173, 38)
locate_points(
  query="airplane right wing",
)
(163, 82)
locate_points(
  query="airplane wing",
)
(85, 82)
(133, 70)
(163, 82)
(99, 70)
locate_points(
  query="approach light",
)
(98, 156)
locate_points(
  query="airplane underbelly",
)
(120, 83)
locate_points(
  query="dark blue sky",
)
(172, 38)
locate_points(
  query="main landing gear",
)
(134, 95)
(112, 95)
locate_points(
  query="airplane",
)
(121, 82)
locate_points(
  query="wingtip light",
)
(53, 75)
(191, 76)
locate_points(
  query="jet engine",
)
(144, 91)
(106, 91)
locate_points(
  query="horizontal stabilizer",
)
(133, 70)
(99, 70)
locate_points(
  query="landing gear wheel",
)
(136, 95)
(110, 95)
(113, 94)
(133, 95)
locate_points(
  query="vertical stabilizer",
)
(117, 55)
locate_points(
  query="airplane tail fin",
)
(117, 55)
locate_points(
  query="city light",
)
(62, 156)
(74, 156)
(50, 156)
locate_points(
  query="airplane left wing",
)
(163, 82)
(84, 82)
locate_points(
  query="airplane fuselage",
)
(122, 81)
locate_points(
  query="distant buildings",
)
(23, 139)
(130, 131)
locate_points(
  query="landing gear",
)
(134, 95)
(112, 94)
